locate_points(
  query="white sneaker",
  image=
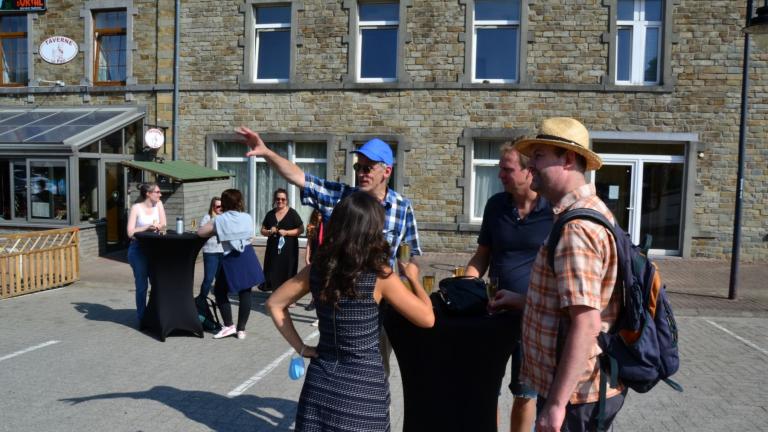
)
(241, 334)
(224, 332)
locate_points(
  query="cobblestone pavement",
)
(72, 360)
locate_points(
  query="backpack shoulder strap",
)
(557, 228)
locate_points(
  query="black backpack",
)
(640, 349)
(208, 313)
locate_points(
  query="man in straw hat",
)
(566, 309)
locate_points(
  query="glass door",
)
(114, 198)
(645, 194)
(615, 185)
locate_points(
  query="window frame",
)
(28, 42)
(354, 44)
(493, 24)
(476, 162)
(374, 25)
(98, 34)
(466, 221)
(638, 27)
(294, 193)
(250, 43)
(470, 44)
(667, 37)
(89, 43)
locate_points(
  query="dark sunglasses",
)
(217, 207)
(366, 169)
(281, 199)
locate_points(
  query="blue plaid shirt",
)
(399, 222)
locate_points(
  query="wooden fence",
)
(39, 260)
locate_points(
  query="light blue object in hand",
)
(280, 244)
(296, 368)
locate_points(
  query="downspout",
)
(176, 43)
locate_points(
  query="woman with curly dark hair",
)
(345, 387)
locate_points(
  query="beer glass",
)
(491, 287)
(428, 282)
(458, 271)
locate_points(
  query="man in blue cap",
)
(372, 171)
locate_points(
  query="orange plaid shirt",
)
(586, 266)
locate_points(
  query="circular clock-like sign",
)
(154, 138)
(58, 49)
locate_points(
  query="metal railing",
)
(40, 260)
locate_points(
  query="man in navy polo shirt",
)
(515, 223)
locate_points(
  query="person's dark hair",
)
(315, 219)
(232, 199)
(213, 204)
(279, 191)
(146, 188)
(353, 243)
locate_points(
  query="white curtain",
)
(486, 185)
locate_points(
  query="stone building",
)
(657, 83)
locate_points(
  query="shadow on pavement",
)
(99, 312)
(217, 412)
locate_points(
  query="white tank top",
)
(144, 219)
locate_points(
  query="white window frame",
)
(261, 28)
(367, 25)
(638, 27)
(473, 181)
(294, 193)
(494, 24)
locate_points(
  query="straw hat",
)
(566, 133)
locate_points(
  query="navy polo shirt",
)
(514, 242)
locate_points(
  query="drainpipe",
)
(176, 43)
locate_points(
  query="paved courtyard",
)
(72, 360)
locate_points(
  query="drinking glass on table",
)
(428, 282)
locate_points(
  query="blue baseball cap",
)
(377, 151)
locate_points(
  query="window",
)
(109, 47)
(638, 41)
(377, 41)
(89, 189)
(481, 170)
(485, 175)
(495, 41)
(13, 47)
(257, 180)
(273, 43)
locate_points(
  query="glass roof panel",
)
(95, 118)
(28, 117)
(59, 134)
(59, 118)
(21, 134)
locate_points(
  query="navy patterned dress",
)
(345, 388)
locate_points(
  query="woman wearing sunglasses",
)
(282, 226)
(212, 250)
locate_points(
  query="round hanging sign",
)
(58, 49)
(154, 138)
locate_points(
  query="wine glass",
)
(458, 271)
(404, 252)
(491, 287)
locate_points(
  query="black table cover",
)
(452, 372)
(171, 272)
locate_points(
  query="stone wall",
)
(566, 67)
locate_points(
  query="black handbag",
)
(464, 295)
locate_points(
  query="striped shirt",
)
(399, 221)
(586, 267)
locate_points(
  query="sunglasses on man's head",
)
(366, 169)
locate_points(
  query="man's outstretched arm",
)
(287, 169)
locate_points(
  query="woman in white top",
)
(147, 214)
(212, 250)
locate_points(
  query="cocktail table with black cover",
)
(452, 372)
(171, 258)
